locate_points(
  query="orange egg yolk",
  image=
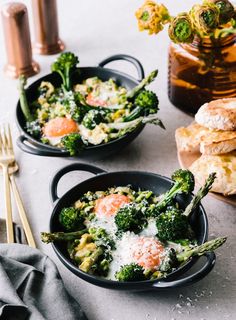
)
(148, 253)
(109, 205)
(59, 127)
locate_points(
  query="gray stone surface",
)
(96, 29)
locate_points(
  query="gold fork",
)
(11, 169)
(6, 158)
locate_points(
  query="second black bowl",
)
(30, 145)
(146, 181)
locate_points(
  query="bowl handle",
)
(72, 167)
(37, 149)
(126, 57)
(198, 275)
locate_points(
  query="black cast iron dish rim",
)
(31, 145)
(141, 179)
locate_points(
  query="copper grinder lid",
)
(17, 41)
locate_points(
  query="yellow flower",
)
(152, 16)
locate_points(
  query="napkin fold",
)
(31, 287)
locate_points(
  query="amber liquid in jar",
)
(201, 72)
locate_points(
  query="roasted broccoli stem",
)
(64, 65)
(71, 219)
(200, 250)
(73, 143)
(184, 183)
(173, 259)
(48, 237)
(126, 127)
(146, 81)
(131, 217)
(174, 223)
(131, 272)
(202, 192)
(23, 99)
(143, 195)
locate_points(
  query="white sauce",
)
(150, 230)
(123, 254)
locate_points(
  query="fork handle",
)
(22, 213)
(9, 222)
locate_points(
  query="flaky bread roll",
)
(188, 138)
(218, 114)
(218, 142)
(195, 138)
(225, 167)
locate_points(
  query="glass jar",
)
(201, 71)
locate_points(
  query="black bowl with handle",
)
(138, 179)
(31, 145)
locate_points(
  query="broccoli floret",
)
(93, 118)
(73, 143)
(130, 272)
(185, 178)
(71, 219)
(131, 217)
(184, 183)
(172, 225)
(64, 65)
(148, 101)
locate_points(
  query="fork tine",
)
(4, 141)
(1, 142)
(9, 138)
(6, 138)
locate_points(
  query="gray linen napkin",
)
(31, 287)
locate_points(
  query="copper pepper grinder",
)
(17, 41)
(46, 27)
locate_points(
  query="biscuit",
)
(218, 114)
(195, 138)
(225, 167)
(188, 138)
